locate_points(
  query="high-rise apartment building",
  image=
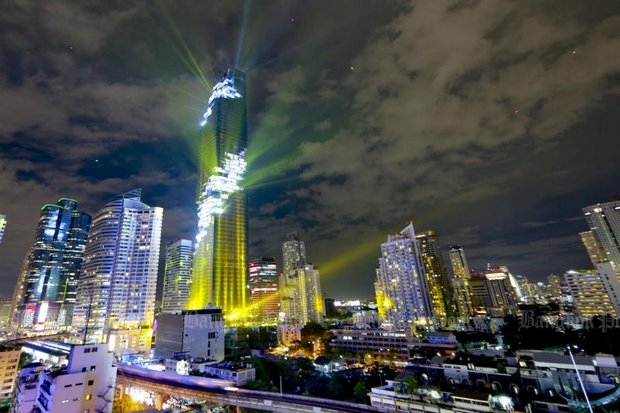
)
(460, 282)
(301, 298)
(264, 306)
(595, 292)
(595, 251)
(219, 275)
(402, 291)
(46, 287)
(436, 276)
(604, 222)
(555, 285)
(494, 292)
(116, 291)
(177, 275)
(2, 226)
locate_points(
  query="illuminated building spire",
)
(219, 275)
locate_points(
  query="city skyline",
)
(494, 124)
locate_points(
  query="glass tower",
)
(46, 288)
(116, 290)
(178, 275)
(219, 275)
(264, 290)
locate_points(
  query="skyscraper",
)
(45, 293)
(604, 222)
(264, 306)
(2, 226)
(436, 275)
(116, 291)
(219, 275)
(595, 251)
(301, 298)
(177, 276)
(401, 287)
(460, 281)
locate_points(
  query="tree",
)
(360, 392)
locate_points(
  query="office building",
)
(177, 275)
(595, 292)
(436, 276)
(493, 292)
(219, 275)
(402, 291)
(199, 333)
(2, 226)
(301, 298)
(460, 282)
(264, 307)
(85, 384)
(116, 292)
(45, 293)
(604, 222)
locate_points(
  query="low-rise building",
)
(9, 362)
(239, 373)
(375, 342)
(85, 384)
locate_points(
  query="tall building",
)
(177, 275)
(264, 306)
(460, 282)
(9, 366)
(595, 292)
(219, 275)
(85, 384)
(2, 226)
(116, 291)
(604, 222)
(46, 287)
(402, 291)
(595, 251)
(494, 292)
(436, 276)
(555, 285)
(301, 298)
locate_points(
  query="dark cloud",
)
(493, 122)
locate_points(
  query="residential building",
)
(9, 365)
(374, 343)
(401, 286)
(219, 276)
(594, 249)
(437, 280)
(301, 298)
(116, 291)
(555, 285)
(264, 307)
(604, 222)
(197, 333)
(493, 292)
(6, 305)
(460, 282)
(45, 293)
(239, 373)
(177, 275)
(85, 384)
(595, 292)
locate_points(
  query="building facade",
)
(264, 307)
(437, 280)
(45, 293)
(9, 366)
(199, 333)
(177, 275)
(460, 282)
(85, 384)
(595, 251)
(402, 291)
(595, 292)
(219, 275)
(301, 298)
(116, 292)
(604, 222)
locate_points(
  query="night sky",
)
(492, 122)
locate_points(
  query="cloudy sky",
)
(493, 122)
